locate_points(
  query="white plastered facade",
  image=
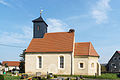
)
(51, 64)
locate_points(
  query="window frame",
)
(59, 62)
(92, 66)
(37, 65)
(83, 65)
(40, 61)
(113, 64)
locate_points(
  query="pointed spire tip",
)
(41, 12)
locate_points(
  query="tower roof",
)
(40, 19)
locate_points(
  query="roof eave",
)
(88, 55)
(40, 21)
(51, 52)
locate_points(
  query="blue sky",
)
(96, 21)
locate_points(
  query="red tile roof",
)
(118, 51)
(85, 48)
(61, 42)
(52, 42)
(11, 63)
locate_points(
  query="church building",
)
(58, 53)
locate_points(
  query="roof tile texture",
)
(61, 42)
(85, 48)
(52, 42)
(11, 63)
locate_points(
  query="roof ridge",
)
(83, 42)
(10, 61)
(57, 32)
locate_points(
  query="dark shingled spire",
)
(40, 19)
(39, 27)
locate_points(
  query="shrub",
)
(36, 78)
(44, 78)
(24, 76)
(48, 77)
(118, 75)
(1, 77)
(55, 76)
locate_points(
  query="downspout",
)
(89, 51)
(71, 63)
(72, 31)
(72, 57)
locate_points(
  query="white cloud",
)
(56, 25)
(4, 3)
(14, 37)
(25, 35)
(100, 10)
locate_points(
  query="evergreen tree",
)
(6, 65)
(0, 63)
(22, 62)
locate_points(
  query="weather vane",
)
(41, 12)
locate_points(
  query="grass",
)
(103, 76)
(9, 77)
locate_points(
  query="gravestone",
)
(38, 73)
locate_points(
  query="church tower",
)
(39, 27)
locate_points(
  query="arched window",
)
(40, 62)
(61, 62)
(92, 65)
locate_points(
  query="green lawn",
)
(9, 77)
(103, 76)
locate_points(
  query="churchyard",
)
(105, 76)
